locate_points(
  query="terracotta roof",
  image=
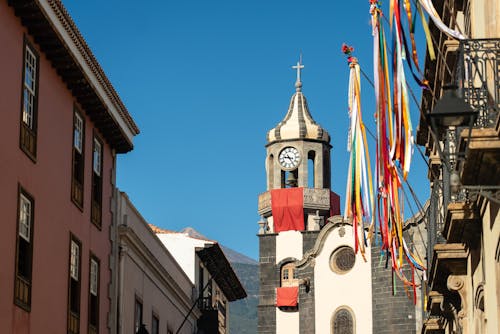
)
(159, 230)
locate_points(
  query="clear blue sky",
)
(206, 80)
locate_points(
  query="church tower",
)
(309, 272)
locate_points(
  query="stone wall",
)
(269, 280)
(391, 313)
(306, 293)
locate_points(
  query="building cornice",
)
(51, 26)
(128, 235)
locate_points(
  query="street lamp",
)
(452, 112)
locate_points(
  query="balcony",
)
(314, 199)
(205, 304)
(479, 74)
(433, 326)
(462, 223)
(448, 259)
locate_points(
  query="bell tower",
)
(298, 149)
(294, 209)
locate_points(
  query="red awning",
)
(287, 296)
(288, 209)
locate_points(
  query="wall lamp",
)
(450, 113)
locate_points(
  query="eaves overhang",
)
(52, 28)
(221, 271)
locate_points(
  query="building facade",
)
(152, 289)
(61, 126)
(464, 229)
(215, 282)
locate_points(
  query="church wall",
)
(352, 289)
(287, 322)
(391, 313)
(306, 302)
(288, 245)
(306, 295)
(269, 280)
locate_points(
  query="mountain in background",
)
(242, 313)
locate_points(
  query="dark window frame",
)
(138, 321)
(154, 316)
(23, 282)
(97, 182)
(28, 134)
(78, 163)
(338, 323)
(94, 300)
(74, 314)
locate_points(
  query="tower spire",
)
(298, 67)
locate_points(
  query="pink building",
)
(61, 126)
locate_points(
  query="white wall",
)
(352, 289)
(182, 247)
(287, 322)
(288, 244)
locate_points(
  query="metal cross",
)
(299, 66)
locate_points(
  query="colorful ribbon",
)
(359, 189)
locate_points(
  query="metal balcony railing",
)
(478, 72)
(205, 304)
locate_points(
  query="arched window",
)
(289, 275)
(343, 321)
(270, 172)
(311, 172)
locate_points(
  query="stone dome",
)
(298, 122)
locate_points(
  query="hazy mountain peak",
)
(231, 255)
(191, 232)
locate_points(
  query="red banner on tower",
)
(288, 209)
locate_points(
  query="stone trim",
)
(458, 283)
(309, 256)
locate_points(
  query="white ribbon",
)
(433, 14)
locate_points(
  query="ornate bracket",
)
(458, 283)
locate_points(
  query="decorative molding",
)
(458, 283)
(319, 198)
(314, 198)
(308, 258)
(479, 297)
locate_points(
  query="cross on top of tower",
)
(298, 67)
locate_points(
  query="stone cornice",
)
(448, 259)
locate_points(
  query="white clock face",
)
(289, 157)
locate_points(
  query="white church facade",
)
(311, 279)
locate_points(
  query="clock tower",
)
(306, 260)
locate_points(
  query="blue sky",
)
(205, 81)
